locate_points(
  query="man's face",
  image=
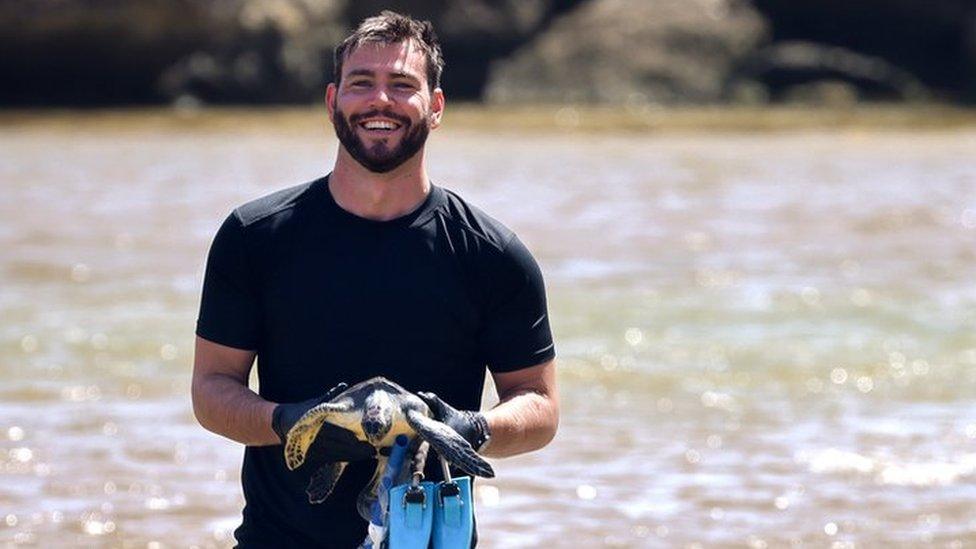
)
(383, 109)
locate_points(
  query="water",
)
(765, 339)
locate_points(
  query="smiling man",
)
(370, 270)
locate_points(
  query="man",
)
(371, 270)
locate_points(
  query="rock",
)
(932, 41)
(94, 51)
(272, 51)
(817, 73)
(826, 93)
(660, 51)
(85, 52)
(473, 33)
(110, 51)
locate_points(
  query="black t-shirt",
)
(427, 300)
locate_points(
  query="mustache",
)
(356, 118)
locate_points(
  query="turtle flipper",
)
(370, 492)
(301, 436)
(449, 444)
(324, 480)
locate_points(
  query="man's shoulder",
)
(473, 220)
(275, 203)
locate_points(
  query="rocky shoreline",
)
(631, 52)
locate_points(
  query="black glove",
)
(333, 443)
(472, 426)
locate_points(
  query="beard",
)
(380, 158)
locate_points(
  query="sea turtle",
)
(376, 410)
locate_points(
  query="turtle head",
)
(378, 415)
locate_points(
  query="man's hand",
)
(333, 443)
(472, 426)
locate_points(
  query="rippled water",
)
(764, 339)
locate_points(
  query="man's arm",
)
(222, 401)
(528, 414)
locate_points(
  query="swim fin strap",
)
(453, 514)
(411, 516)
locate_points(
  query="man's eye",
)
(359, 83)
(404, 86)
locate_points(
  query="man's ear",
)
(330, 101)
(436, 108)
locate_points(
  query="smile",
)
(379, 125)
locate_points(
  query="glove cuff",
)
(276, 422)
(481, 430)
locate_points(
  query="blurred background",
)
(112, 52)
(757, 222)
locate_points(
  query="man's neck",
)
(379, 196)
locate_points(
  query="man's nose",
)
(381, 97)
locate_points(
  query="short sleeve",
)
(515, 332)
(229, 309)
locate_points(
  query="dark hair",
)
(390, 28)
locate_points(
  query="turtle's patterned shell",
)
(376, 411)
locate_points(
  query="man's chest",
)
(352, 290)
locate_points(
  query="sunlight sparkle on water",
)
(28, 343)
(865, 384)
(75, 335)
(585, 491)
(80, 393)
(810, 296)
(22, 455)
(838, 376)
(95, 527)
(15, 433)
(157, 504)
(757, 543)
(488, 495)
(714, 399)
(133, 391)
(168, 351)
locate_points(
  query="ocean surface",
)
(764, 339)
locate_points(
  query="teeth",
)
(379, 125)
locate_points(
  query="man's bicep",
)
(516, 331)
(211, 358)
(540, 379)
(230, 310)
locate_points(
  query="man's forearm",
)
(224, 405)
(522, 423)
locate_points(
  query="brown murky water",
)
(765, 339)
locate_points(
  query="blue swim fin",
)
(453, 512)
(411, 516)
